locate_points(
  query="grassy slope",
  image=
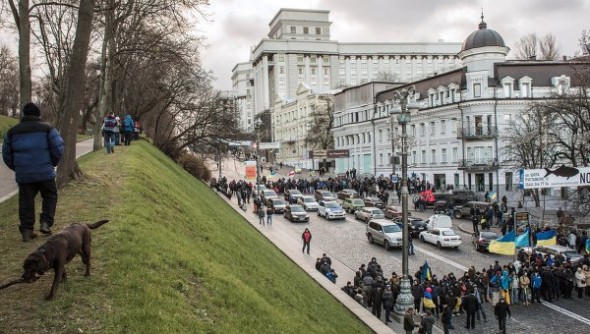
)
(174, 259)
(5, 124)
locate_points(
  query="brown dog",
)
(58, 250)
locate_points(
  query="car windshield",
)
(358, 202)
(332, 205)
(377, 212)
(448, 233)
(294, 192)
(391, 228)
(269, 193)
(488, 236)
(278, 202)
(570, 254)
(444, 219)
(297, 209)
(309, 199)
(327, 194)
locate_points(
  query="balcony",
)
(477, 133)
(478, 165)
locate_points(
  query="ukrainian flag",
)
(588, 246)
(426, 273)
(548, 238)
(427, 300)
(522, 240)
(505, 245)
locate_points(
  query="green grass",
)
(174, 258)
(5, 124)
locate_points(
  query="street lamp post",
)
(257, 125)
(405, 299)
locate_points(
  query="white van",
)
(438, 221)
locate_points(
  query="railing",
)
(475, 133)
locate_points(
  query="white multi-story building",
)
(456, 137)
(299, 50)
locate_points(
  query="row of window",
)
(305, 30)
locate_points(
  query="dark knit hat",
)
(31, 109)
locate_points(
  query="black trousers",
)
(128, 135)
(470, 320)
(306, 245)
(26, 203)
(502, 324)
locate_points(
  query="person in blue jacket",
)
(32, 149)
(128, 128)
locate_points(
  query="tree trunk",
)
(105, 77)
(68, 168)
(24, 52)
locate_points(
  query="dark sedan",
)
(482, 240)
(296, 213)
(415, 227)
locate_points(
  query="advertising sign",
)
(563, 176)
(251, 170)
(318, 154)
(270, 145)
(338, 153)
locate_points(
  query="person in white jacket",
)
(580, 279)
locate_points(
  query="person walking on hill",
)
(109, 127)
(306, 237)
(261, 215)
(32, 149)
(128, 128)
(269, 213)
(501, 310)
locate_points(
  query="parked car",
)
(441, 237)
(464, 211)
(566, 252)
(347, 193)
(482, 240)
(268, 194)
(369, 212)
(324, 195)
(439, 221)
(291, 195)
(308, 203)
(415, 227)
(392, 212)
(374, 201)
(384, 232)
(331, 210)
(278, 205)
(351, 205)
(295, 213)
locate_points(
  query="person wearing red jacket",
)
(306, 236)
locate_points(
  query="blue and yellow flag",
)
(548, 238)
(426, 273)
(588, 246)
(505, 245)
(522, 240)
(427, 301)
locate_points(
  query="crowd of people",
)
(532, 278)
(117, 131)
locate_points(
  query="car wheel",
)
(439, 244)
(319, 214)
(370, 237)
(457, 214)
(367, 220)
(456, 247)
(386, 245)
(422, 238)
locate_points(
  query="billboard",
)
(562, 176)
(251, 170)
(270, 145)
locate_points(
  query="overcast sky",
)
(236, 25)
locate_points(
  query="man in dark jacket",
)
(409, 323)
(470, 306)
(501, 310)
(32, 149)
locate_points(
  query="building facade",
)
(457, 137)
(299, 49)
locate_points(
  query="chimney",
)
(564, 58)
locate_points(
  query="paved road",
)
(346, 241)
(8, 186)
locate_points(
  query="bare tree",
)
(548, 48)
(23, 24)
(584, 42)
(74, 90)
(319, 135)
(526, 47)
(9, 102)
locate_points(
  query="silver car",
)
(368, 213)
(308, 203)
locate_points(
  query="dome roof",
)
(482, 37)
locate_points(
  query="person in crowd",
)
(480, 309)
(427, 323)
(409, 323)
(525, 282)
(331, 275)
(388, 303)
(269, 214)
(536, 282)
(306, 237)
(446, 318)
(117, 130)
(261, 216)
(129, 129)
(109, 125)
(501, 310)
(469, 303)
(32, 149)
(580, 280)
(326, 258)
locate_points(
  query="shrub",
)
(195, 166)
